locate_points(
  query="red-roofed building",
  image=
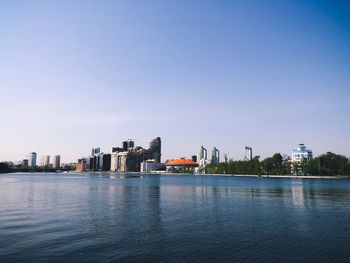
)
(181, 165)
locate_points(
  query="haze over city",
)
(82, 74)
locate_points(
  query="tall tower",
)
(202, 156)
(202, 153)
(95, 151)
(32, 159)
(44, 160)
(248, 155)
(215, 156)
(155, 146)
(56, 161)
(126, 145)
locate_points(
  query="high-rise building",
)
(24, 163)
(116, 149)
(81, 165)
(155, 147)
(56, 161)
(106, 165)
(95, 151)
(32, 159)
(248, 156)
(202, 156)
(114, 161)
(126, 145)
(45, 160)
(193, 158)
(128, 162)
(215, 156)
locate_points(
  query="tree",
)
(4, 167)
(329, 164)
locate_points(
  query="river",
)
(172, 218)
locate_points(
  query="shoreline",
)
(284, 176)
(217, 175)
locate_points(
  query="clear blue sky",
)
(82, 74)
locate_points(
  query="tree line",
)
(6, 167)
(328, 164)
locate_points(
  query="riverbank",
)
(282, 176)
(218, 175)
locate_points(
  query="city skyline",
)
(83, 74)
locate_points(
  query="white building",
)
(32, 159)
(301, 154)
(114, 161)
(151, 166)
(45, 160)
(202, 157)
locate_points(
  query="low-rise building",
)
(301, 154)
(181, 165)
(151, 166)
(298, 158)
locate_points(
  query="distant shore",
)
(218, 175)
(283, 176)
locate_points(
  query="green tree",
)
(4, 167)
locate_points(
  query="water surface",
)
(172, 218)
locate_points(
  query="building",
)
(56, 162)
(24, 163)
(202, 156)
(181, 165)
(99, 161)
(215, 156)
(128, 161)
(194, 158)
(95, 151)
(301, 154)
(126, 145)
(129, 157)
(116, 149)
(32, 159)
(155, 146)
(81, 165)
(114, 161)
(248, 156)
(45, 161)
(106, 162)
(95, 163)
(151, 166)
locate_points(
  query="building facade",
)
(301, 154)
(32, 159)
(56, 162)
(45, 161)
(155, 146)
(202, 156)
(215, 156)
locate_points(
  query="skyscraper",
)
(56, 162)
(95, 151)
(32, 159)
(128, 144)
(202, 156)
(248, 156)
(215, 156)
(45, 160)
(155, 147)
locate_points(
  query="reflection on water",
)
(109, 218)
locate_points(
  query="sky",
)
(266, 74)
